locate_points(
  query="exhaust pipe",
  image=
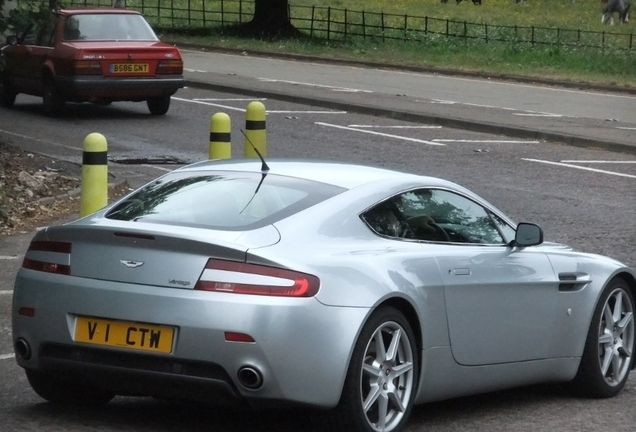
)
(250, 377)
(23, 349)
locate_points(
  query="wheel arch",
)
(47, 72)
(630, 279)
(631, 282)
(48, 68)
(409, 312)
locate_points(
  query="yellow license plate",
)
(122, 334)
(120, 68)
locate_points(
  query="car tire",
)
(7, 92)
(607, 357)
(65, 391)
(158, 105)
(380, 386)
(52, 102)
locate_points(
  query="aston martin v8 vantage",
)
(356, 290)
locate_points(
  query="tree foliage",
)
(3, 20)
(18, 19)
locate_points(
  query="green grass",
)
(609, 66)
(575, 14)
(615, 68)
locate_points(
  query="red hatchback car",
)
(91, 55)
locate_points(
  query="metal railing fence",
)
(336, 24)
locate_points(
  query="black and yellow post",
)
(220, 136)
(255, 130)
(94, 193)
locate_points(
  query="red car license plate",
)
(122, 68)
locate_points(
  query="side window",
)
(384, 220)
(29, 36)
(46, 35)
(72, 29)
(507, 231)
(440, 215)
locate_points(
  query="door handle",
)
(460, 271)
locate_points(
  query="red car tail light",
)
(49, 265)
(170, 67)
(242, 278)
(87, 67)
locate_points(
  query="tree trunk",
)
(271, 13)
(271, 19)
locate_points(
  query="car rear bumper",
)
(99, 87)
(301, 347)
(127, 373)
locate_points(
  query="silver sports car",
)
(357, 290)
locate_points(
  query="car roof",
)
(345, 175)
(75, 11)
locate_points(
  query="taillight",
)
(87, 67)
(242, 278)
(49, 257)
(170, 67)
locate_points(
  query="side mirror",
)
(528, 234)
(12, 40)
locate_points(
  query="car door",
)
(501, 301)
(25, 60)
(17, 58)
(40, 52)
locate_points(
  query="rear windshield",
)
(108, 27)
(221, 200)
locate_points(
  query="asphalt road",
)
(578, 117)
(579, 194)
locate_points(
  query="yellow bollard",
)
(94, 193)
(255, 130)
(220, 133)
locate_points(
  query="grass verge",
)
(570, 64)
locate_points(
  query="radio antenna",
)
(264, 167)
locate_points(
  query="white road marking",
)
(6, 292)
(449, 102)
(625, 128)
(229, 99)
(6, 356)
(204, 102)
(580, 167)
(381, 134)
(395, 127)
(517, 85)
(304, 112)
(518, 113)
(194, 70)
(486, 141)
(209, 104)
(8, 257)
(531, 114)
(40, 140)
(160, 168)
(333, 88)
(598, 162)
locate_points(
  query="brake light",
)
(87, 67)
(242, 278)
(48, 257)
(170, 67)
